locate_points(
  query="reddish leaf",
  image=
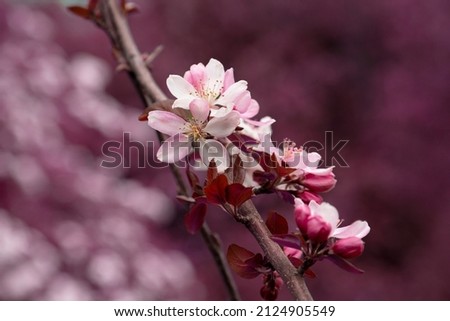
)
(295, 261)
(286, 196)
(236, 194)
(245, 263)
(80, 11)
(237, 171)
(287, 240)
(215, 191)
(211, 174)
(92, 4)
(284, 171)
(344, 264)
(266, 162)
(268, 294)
(277, 224)
(195, 217)
(309, 273)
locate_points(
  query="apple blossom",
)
(198, 128)
(319, 222)
(214, 85)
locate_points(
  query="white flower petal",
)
(174, 149)
(223, 126)
(357, 229)
(327, 211)
(180, 87)
(232, 93)
(183, 102)
(166, 122)
(215, 76)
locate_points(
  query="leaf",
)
(215, 192)
(244, 262)
(195, 217)
(277, 224)
(236, 194)
(286, 196)
(263, 178)
(238, 170)
(344, 264)
(80, 11)
(211, 174)
(287, 240)
(92, 4)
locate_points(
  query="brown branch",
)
(249, 216)
(116, 26)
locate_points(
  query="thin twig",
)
(116, 26)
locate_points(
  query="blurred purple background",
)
(376, 73)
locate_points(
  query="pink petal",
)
(252, 109)
(166, 122)
(223, 126)
(174, 149)
(357, 229)
(180, 87)
(228, 79)
(196, 76)
(199, 109)
(232, 93)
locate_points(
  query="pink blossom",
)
(349, 247)
(199, 127)
(212, 84)
(319, 222)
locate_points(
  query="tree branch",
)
(116, 26)
(249, 216)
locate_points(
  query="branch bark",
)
(249, 216)
(116, 26)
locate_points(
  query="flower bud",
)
(301, 215)
(349, 247)
(319, 183)
(317, 229)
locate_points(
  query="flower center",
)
(195, 131)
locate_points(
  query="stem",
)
(116, 26)
(249, 216)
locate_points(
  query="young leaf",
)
(245, 263)
(236, 194)
(195, 217)
(211, 174)
(215, 191)
(277, 224)
(80, 11)
(344, 264)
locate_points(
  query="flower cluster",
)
(211, 120)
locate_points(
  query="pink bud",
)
(319, 183)
(349, 247)
(317, 229)
(301, 215)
